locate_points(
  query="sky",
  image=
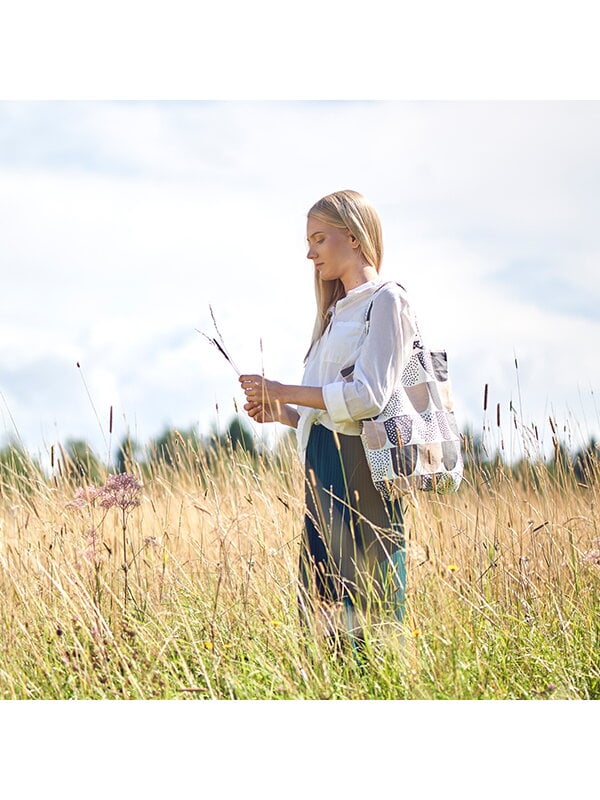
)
(121, 222)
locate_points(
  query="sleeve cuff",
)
(333, 396)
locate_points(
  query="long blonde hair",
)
(349, 210)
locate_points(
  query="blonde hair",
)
(349, 210)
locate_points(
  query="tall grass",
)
(192, 594)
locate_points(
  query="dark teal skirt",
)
(353, 549)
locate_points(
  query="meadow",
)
(177, 579)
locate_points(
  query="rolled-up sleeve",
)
(335, 402)
(380, 362)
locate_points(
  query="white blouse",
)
(378, 359)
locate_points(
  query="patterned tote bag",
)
(414, 443)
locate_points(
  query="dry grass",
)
(502, 597)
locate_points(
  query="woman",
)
(353, 552)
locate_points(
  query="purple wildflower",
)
(84, 495)
(593, 556)
(122, 491)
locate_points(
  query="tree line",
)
(79, 460)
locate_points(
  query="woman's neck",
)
(363, 274)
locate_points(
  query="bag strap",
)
(368, 315)
(417, 342)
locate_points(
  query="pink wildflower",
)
(84, 496)
(122, 491)
(593, 556)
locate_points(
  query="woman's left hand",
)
(260, 390)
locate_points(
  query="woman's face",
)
(330, 249)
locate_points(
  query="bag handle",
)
(368, 315)
(417, 343)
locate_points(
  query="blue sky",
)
(121, 221)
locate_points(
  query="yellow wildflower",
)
(209, 645)
(452, 567)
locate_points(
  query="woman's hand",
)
(274, 398)
(260, 413)
(266, 401)
(260, 390)
(264, 398)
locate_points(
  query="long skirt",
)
(353, 553)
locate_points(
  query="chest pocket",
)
(342, 341)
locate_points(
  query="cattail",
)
(110, 420)
(498, 415)
(485, 397)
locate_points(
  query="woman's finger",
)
(250, 380)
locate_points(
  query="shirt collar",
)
(359, 291)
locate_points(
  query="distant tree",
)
(586, 463)
(18, 471)
(561, 462)
(172, 446)
(81, 459)
(240, 436)
(128, 454)
(474, 452)
(188, 449)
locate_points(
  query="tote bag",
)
(414, 443)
